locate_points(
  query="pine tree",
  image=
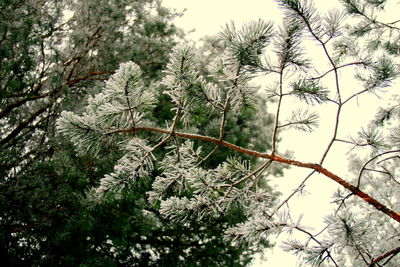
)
(363, 229)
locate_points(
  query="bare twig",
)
(278, 110)
(369, 161)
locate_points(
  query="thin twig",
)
(278, 110)
(369, 161)
(298, 188)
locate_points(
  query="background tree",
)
(49, 60)
(362, 231)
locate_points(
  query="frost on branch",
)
(242, 59)
(127, 99)
(230, 86)
(83, 131)
(136, 163)
(303, 120)
(189, 91)
(176, 166)
(347, 232)
(122, 104)
(258, 225)
(215, 190)
(315, 255)
(309, 91)
(245, 45)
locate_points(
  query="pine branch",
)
(302, 120)
(358, 10)
(325, 250)
(18, 103)
(90, 76)
(385, 255)
(22, 125)
(317, 167)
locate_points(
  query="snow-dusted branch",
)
(314, 166)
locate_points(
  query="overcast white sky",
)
(207, 17)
